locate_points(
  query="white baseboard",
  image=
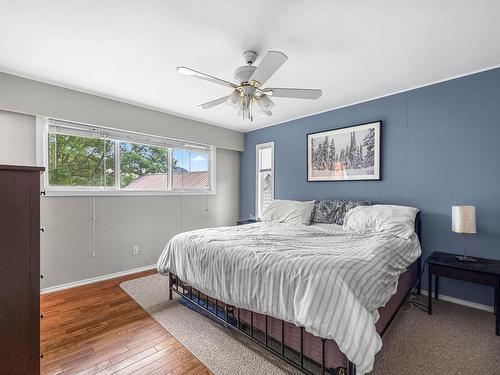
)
(462, 302)
(95, 279)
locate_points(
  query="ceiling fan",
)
(248, 96)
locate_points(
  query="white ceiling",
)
(353, 50)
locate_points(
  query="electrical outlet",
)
(135, 250)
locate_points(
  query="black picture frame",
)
(339, 172)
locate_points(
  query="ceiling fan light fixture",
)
(234, 99)
(254, 106)
(265, 103)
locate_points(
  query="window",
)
(264, 176)
(81, 161)
(81, 158)
(190, 170)
(143, 167)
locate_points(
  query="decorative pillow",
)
(396, 220)
(333, 211)
(291, 212)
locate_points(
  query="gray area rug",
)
(454, 340)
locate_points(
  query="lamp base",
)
(462, 258)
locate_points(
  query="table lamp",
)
(463, 220)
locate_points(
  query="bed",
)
(319, 296)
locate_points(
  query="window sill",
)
(122, 193)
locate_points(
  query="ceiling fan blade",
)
(206, 77)
(268, 66)
(294, 93)
(213, 103)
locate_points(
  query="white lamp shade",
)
(463, 219)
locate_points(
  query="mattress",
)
(329, 281)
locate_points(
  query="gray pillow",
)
(333, 211)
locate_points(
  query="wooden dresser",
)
(20, 269)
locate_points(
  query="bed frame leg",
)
(419, 275)
(351, 368)
(418, 230)
(170, 283)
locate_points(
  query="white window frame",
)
(259, 147)
(42, 150)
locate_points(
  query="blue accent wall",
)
(440, 147)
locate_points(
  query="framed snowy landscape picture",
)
(346, 154)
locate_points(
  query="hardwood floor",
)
(99, 329)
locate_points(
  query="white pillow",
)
(396, 220)
(291, 212)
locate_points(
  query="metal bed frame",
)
(221, 313)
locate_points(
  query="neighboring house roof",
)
(157, 181)
(179, 169)
(190, 180)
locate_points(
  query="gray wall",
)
(22, 95)
(440, 147)
(17, 139)
(121, 221)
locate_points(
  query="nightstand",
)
(484, 271)
(247, 221)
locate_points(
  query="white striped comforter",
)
(331, 282)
